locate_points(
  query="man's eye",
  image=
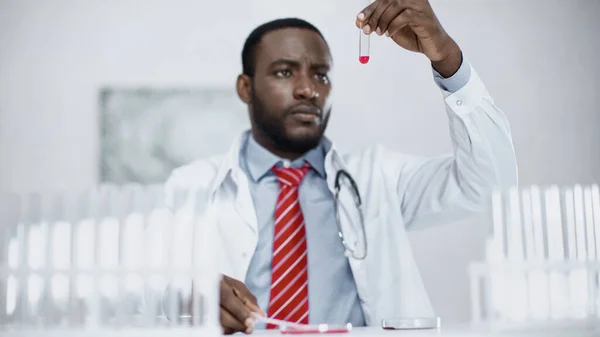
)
(283, 73)
(323, 77)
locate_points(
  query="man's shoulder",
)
(380, 159)
(373, 154)
(198, 173)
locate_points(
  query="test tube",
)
(363, 47)
(555, 216)
(540, 303)
(364, 42)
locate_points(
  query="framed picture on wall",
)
(147, 132)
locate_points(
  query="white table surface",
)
(444, 332)
(361, 331)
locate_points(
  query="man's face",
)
(289, 103)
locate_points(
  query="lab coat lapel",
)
(243, 199)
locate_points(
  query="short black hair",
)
(249, 50)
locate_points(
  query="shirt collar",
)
(259, 160)
(230, 165)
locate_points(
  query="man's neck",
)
(270, 146)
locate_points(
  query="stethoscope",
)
(350, 252)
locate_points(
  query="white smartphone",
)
(411, 323)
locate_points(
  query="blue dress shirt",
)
(332, 292)
(333, 297)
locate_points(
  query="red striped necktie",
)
(289, 274)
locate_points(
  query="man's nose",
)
(305, 89)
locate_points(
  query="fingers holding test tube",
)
(237, 307)
(249, 300)
(413, 25)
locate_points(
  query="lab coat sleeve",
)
(447, 188)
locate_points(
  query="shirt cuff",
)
(456, 81)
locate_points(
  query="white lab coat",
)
(399, 192)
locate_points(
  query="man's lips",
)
(306, 110)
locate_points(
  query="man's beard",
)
(275, 130)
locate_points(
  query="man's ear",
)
(244, 88)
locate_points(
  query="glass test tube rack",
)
(111, 259)
(542, 263)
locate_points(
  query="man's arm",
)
(447, 188)
(432, 190)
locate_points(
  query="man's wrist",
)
(449, 65)
(457, 81)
